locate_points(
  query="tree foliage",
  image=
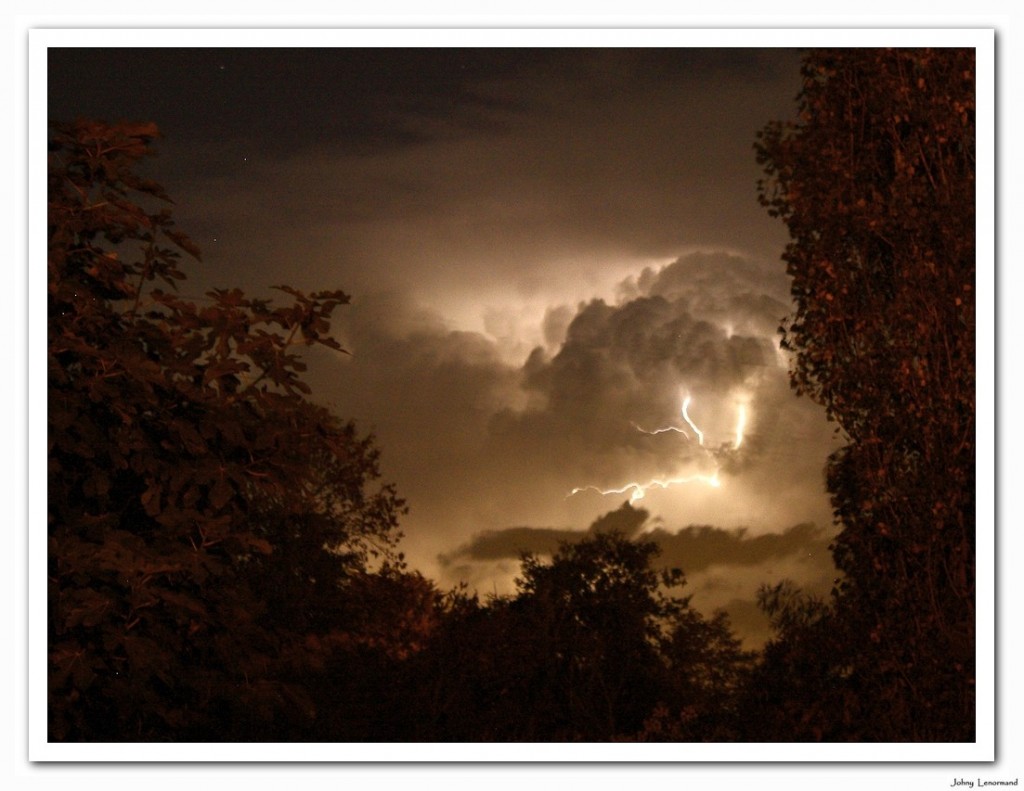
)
(875, 182)
(595, 645)
(200, 506)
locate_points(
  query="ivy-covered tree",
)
(203, 512)
(875, 181)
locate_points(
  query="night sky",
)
(549, 252)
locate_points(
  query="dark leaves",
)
(875, 182)
(191, 481)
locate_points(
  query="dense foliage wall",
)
(200, 507)
(875, 181)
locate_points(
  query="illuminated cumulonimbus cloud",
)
(639, 490)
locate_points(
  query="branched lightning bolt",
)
(660, 430)
(686, 417)
(638, 490)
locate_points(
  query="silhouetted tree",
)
(707, 668)
(600, 606)
(202, 511)
(368, 660)
(592, 646)
(800, 689)
(875, 182)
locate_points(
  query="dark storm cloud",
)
(698, 548)
(447, 172)
(694, 549)
(512, 542)
(427, 390)
(285, 99)
(365, 99)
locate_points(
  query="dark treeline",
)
(224, 563)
